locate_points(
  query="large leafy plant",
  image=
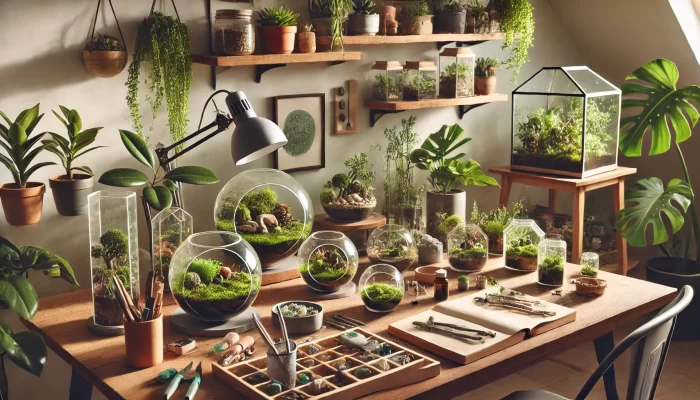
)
(656, 102)
(26, 349)
(436, 155)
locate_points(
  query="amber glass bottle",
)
(441, 285)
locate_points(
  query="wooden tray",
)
(421, 368)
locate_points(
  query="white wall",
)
(41, 43)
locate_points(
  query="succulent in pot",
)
(307, 40)
(452, 17)
(364, 21)
(278, 29)
(348, 197)
(105, 56)
(485, 76)
(320, 13)
(415, 19)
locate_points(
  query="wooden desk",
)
(100, 361)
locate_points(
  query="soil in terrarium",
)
(348, 196)
(455, 81)
(419, 88)
(113, 251)
(468, 259)
(386, 88)
(381, 297)
(522, 257)
(327, 269)
(397, 255)
(213, 291)
(162, 255)
(551, 271)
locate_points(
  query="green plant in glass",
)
(494, 222)
(327, 269)
(113, 251)
(455, 81)
(551, 271)
(518, 23)
(348, 196)
(402, 195)
(386, 88)
(419, 85)
(340, 9)
(588, 270)
(69, 149)
(277, 16)
(521, 253)
(446, 223)
(485, 67)
(380, 296)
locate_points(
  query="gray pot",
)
(453, 203)
(70, 196)
(450, 21)
(364, 25)
(300, 325)
(322, 26)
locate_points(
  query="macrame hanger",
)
(94, 24)
(153, 6)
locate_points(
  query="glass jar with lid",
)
(234, 33)
(419, 80)
(551, 256)
(387, 81)
(456, 72)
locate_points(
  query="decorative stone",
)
(325, 357)
(316, 387)
(274, 388)
(429, 250)
(313, 349)
(192, 280)
(291, 396)
(362, 373)
(353, 340)
(308, 363)
(401, 359)
(382, 365)
(225, 272)
(382, 350)
(368, 357)
(256, 379)
(304, 378)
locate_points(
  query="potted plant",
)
(105, 56)
(437, 156)
(485, 76)
(518, 24)
(494, 222)
(320, 13)
(477, 17)
(415, 19)
(277, 29)
(462, 283)
(649, 203)
(22, 200)
(387, 21)
(340, 9)
(364, 21)
(307, 40)
(452, 17)
(348, 197)
(70, 190)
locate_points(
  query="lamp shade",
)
(254, 136)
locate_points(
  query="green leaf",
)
(663, 102)
(76, 124)
(470, 173)
(85, 169)
(29, 157)
(42, 259)
(6, 244)
(66, 112)
(62, 142)
(33, 124)
(11, 166)
(55, 150)
(63, 121)
(193, 175)
(35, 167)
(84, 139)
(652, 205)
(26, 117)
(137, 147)
(6, 118)
(170, 185)
(26, 349)
(31, 142)
(17, 294)
(158, 197)
(87, 151)
(17, 134)
(123, 177)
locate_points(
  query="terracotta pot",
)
(277, 39)
(448, 21)
(70, 196)
(22, 206)
(144, 343)
(322, 26)
(484, 86)
(387, 21)
(422, 25)
(363, 25)
(105, 63)
(307, 42)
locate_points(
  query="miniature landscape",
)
(551, 271)
(394, 253)
(468, 259)
(381, 297)
(113, 251)
(455, 81)
(521, 255)
(420, 86)
(494, 222)
(327, 269)
(348, 197)
(386, 88)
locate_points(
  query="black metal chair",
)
(652, 341)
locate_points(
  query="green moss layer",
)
(229, 289)
(474, 252)
(529, 250)
(552, 263)
(381, 293)
(206, 269)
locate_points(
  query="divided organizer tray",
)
(321, 365)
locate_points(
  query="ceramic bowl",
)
(426, 274)
(300, 325)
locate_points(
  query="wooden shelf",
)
(440, 38)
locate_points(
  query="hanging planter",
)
(105, 56)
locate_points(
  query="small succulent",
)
(105, 43)
(486, 67)
(363, 7)
(308, 28)
(463, 278)
(277, 16)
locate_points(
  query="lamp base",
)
(102, 330)
(186, 324)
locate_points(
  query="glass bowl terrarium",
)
(381, 288)
(392, 244)
(456, 72)
(215, 276)
(419, 80)
(387, 81)
(566, 121)
(348, 197)
(170, 227)
(269, 209)
(467, 248)
(521, 238)
(327, 261)
(550, 262)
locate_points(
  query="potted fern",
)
(277, 29)
(485, 76)
(307, 40)
(452, 17)
(364, 21)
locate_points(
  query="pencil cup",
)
(282, 367)
(144, 343)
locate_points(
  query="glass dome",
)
(327, 260)
(215, 276)
(269, 209)
(381, 288)
(467, 247)
(590, 263)
(550, 262)
(392, 244)
(521, 238)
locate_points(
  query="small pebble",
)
(382, 365)
(256, 378)
(367, 357)
(304, 378)
(317, 387)
(401, 359)
(308, 363)
(166, 375)
(325, 357)
(353, 340)
(362, 373)
(313, 349)
(383, 350)
(274, 388)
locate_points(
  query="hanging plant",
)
(518, 23)
(166, 41)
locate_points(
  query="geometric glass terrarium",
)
(113, 251)
(392, 244)
(566, 121)
(419, 80)
(269, 209)
(387, 78)
(381, 288)
(456, 72)
(550, 262)
(467, 247)
(170, 228)
(520, 240)
(327, 261)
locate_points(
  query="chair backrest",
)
(652, 340)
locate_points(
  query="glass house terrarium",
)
(394, 245)
(467, 248)
(566, 121)
(327, 261)
(419, 80)
(387, 81)
(170, 228)
(269, 209)
(456, 72)
(381, 288)
(520, 240)
(551, 256)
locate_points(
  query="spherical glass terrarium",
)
(419, 80)
(269, 209)
(381, 288)
(392, 244)
(387, 78)
(550, 262)
(467, 248)
(521, 238)
(215, 276)
(327, 261)
(456, 72)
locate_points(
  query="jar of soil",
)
(521, 238)
(394, 245)
(382, 288)
(456, 72)
(550, 262)
(234, 33)
(467, 248)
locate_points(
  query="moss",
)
(324, 274)
(449, 224)
(552, 263)
(242, 214)
(230, 289)
(587, 270)
(463, 278)
(529, 250)
(382, 293)
(225, 225)
(207, 269)
(474, 252)
(261, 201)
(124, 275)
(300, 129)
(290, 232)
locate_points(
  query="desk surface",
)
(62, 321)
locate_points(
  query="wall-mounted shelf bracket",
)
(374, 115)
(261, 69)
(461, 110)
(440, 45)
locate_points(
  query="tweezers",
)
(431, 321)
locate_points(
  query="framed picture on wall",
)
(302, 118)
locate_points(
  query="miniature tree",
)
(114, 245)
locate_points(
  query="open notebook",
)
(511, 326)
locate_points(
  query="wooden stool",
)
(578, 187)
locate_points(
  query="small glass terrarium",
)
(387, 81)
(419, 80)
(394, 245)
(550, 262)
(467, 248)
(215, 276)
(170, 228)
(269, 209)
(381, 288)
(456, 72)
(327, 261)
(590, 263)
(521, 238)
(566, 121)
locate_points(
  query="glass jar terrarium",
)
(327, 261)
(419, 80)
(550, 262)
(521, 238)
(215, 276)
(456, 72)
(590, 263)
(234, 33)
(269, 209)
(467, 248)
(392, 244)
(381, 288)
(387, 81)
(170, 228)
(582, 114)
(114, 252)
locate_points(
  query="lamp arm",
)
(222, 123)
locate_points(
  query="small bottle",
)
(441, 291)
(229, 340)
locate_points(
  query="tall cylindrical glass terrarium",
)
(114, 251)
(520, 240)
(387, 81)
(328, 261)
(456, 72)
(419, 80)
(551, 256)
(170, 228)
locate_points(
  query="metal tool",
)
(430, 327)
(512, 305)
(175, 382)
(264, 334)
(479, 332)
(283, 328)
(338, 325)
(348, 319)
(194, 386)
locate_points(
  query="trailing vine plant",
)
(339, 12)
(518, 24)
(167, 42)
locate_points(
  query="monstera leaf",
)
(651, 201)
(663, 103)
(470, 173)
